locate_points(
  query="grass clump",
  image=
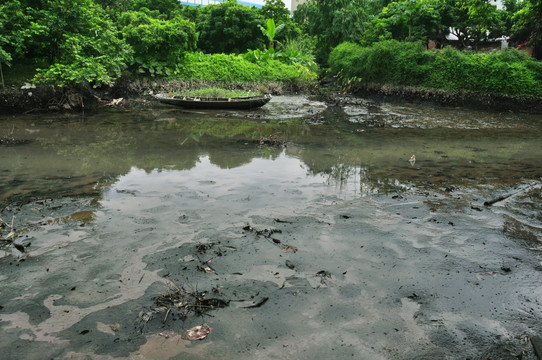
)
(217, 92)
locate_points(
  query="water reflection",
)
(366, 146)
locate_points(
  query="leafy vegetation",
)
(228, 27)
(217, 92)
(399, 63)
(235, 68)
(80, 43)
(332, 22)
(97, 42)
(271, 31)
(158, 44)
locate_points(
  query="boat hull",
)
(214, 103)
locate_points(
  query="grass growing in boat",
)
(218, 93)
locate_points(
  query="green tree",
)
(511, 7)
(276, 10)
(528, 25)
(79, 41)
(473, 21)
(229, 27)
(270, 32)
(158, 44)
(407, 19)
(332, 22)
(13, 22)
(166, 7)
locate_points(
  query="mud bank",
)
(417, 275)
(453, 98)
(28, 98)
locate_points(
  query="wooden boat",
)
(193, 102)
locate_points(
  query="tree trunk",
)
(2, 76)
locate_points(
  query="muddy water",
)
(309, 219)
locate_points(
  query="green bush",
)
(389, 61)
(79, 42)
(229, 27)
(408, 63)
(347, 61)
(449, 70)
(158, 44)
(504, 72)
(235, 68)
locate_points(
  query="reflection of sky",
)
(283, 180)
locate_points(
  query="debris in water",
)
(180, 301)
(199, 332)
(114, 102)
(505, 197)
(290, 264)
(208, 270)
(282, 221)
(19, 247)
(412, 160)
(289, 249)
(267, 233)
(167, 334)
(325, 273)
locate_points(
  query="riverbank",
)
(25, 98)
(530, 104)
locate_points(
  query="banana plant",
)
(271, 31)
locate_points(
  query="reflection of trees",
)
(109, 145)
(232, 155)
(72, 154)
(116, 146)
(340, 174)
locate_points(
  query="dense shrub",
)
(234, 68)
(503, 72)
(229, 27)
(158, 44)
(79, 42)
(389, 61)
(406, 63)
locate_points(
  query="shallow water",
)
(395, 259)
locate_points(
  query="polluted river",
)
(358, 229)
